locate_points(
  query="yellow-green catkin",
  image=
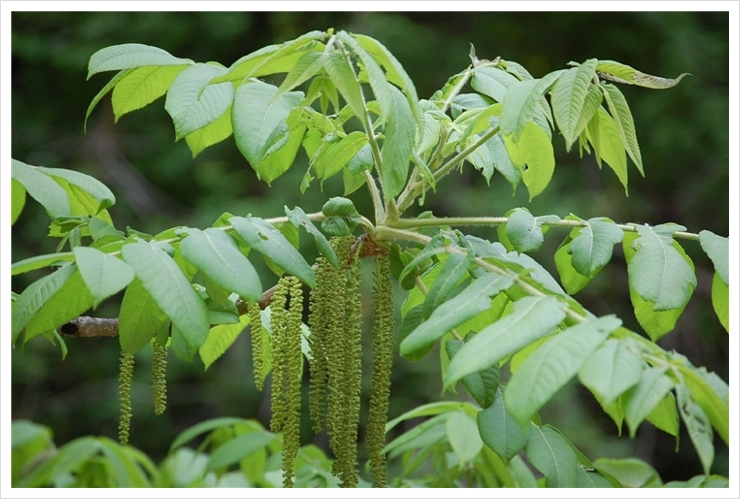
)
(344, 356)
(159, 380)
(382, 334)
(278, 319)
(293, 359)
(253, 309)
(124, 379)
(325, 296)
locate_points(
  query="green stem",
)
(457, 89)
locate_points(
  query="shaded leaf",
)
(500, 431)
(18, 200)
(103, 91)
(521, 101)
(238, 448)
(341, 216)
(642, 398)
(611, 370)
(139, 320)
(569, 97)
(454, 269)
(550, 453)
(298, 218)
(698, 426)
(523, 231)
(343, 77)
(604, 136)
(482, 385)
(630, 472)
(462, 432)
(400, 134)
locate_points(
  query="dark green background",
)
(683, 134)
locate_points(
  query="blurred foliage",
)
(683, 135)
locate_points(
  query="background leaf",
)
(552, 455)
(500, 431)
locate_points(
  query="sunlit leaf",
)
(604, 135)
(130, 55)
(71, 300)
(41, 188)
(521, 101)
(210, 134)
(611, 370)
(625, 124)
(142, 86)
(91, 186)
(534, 150)
(34, 297)
(104, 275)
(721, 301)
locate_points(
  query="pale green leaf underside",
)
(592, 248)
(130, 55)
(550, 453)
(41, 188)
(71, 300)
(39, 262)
(523, 231)
(521, 101)
(698, 426)
(454, 269)
(622, 115)
(463, 435)
(641, 399)
(622, 73)
(611, 370)
(532, 318)
(105, 275)
(717, 249)
(569, 97)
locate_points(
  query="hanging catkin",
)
(382, 333)
(278, 319)
(159, 380)
(325, 296)
(256, 330)
(124, 378)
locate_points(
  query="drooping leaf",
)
(658, 271)
(340, 153)
(664, 416)
(219, 339)
(492, 82)
(161, 277)
(139, 320)
(377, 79)
(90, 186)
(604, 136)
(521, 101)
(269, 241)
(523, 231)
(343, 77)
(620, 111)
(454, 269)
(500, 431)
(103, 91)
(534, 150)
(37, 294)
(341, 216)
(572, 280)
(462, 432)
(470, 302)
(482, 385)
(210, 134)
(712, 398)
(18, 200)
(193, 103)
(593, 245)
(551, 454)
(553, 364)
(642, 398)
(217, 255)
(298, 218)
(409, 323)
(142, 86)
(104, 275)
(41, 188)
(717, 249)
(433, 247)
(308, 66)
(569, 97)
(258, 120)
(39, 262)
(622, 73)
(531, 318)
(130, 55)
(400, 135)
(721, 301)
(630, 472)
(611, 370)
(698, 426)
(71, 300)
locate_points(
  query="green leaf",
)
(531, 318)
(140, 318)
(462, 432)
(454, 269)
(592, 480)
(569, 98)
(523, 231)
(664, 416)
(533, 149)
(409, 323)
(553, 364)
(103, 91)
(717, 249)
(622, 73)
(604, 136)
(71, 300)
(551, 454)
(698, 425)
(469, 303)
(482, 385)
(193, 103)
(219, 339)
(164, 281)
(492, 82)
(630, 472)
(34, 297)
(400, 134)
(104, 275)
(642, 398)
(258, 120)
(572, 280)
(611, 370)
(217, 255)
(433, 429)
(130, 55)
(41, 188)
(521, 101)
(201, 428)
(210, 134)
(18, 200)
(593, 245)
(431, 409)
(39, 262)
(658, 271)
(142, 86)
(433, 247)
(89, 185)
(378, 82)
(500, 431)
(238, 448)
(721, 301)
(299, 219)
(341, 217)
(704, 393)
(620, 111)
(269, 241)
(308, 66)
(339, 154)
(341, 74)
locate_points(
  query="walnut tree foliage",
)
(347, 102)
